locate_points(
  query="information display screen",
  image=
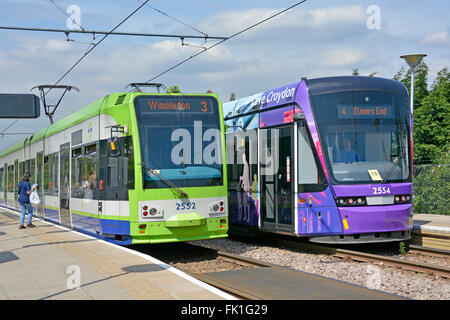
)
(19, 106)
(176, 104)
(349, 111)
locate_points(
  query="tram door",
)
(64, 180)
(40, 182)
(277, 187)
(5, 184)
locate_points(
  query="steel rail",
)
(226, 287)
(430, 251)
(368, 257)
(395, 262)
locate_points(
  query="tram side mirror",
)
(114, 147)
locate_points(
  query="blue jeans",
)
(23, 208)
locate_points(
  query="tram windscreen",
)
(365, 136)
(180, 139)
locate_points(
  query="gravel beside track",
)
(388, 279)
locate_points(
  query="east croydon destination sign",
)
(18, 106)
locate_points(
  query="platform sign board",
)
(19, 106)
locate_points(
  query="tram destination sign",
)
(173, 105)
(19, 106)
(349, 111)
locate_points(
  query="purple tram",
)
(328, 158)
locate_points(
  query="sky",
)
(318, 38)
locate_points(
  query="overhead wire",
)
(85, 54)
(175, 19)
(96, 44)
(228, 38)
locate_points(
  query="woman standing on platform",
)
(25, 190)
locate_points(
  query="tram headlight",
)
(351, 201)
(148, 211)
(217, 207)
(403, 198)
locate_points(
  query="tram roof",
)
(346, 83)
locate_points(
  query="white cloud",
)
(342, 57)
(435, 38)
(332, 17)
(58, 45)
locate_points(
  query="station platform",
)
(430, 230)
(50, 262)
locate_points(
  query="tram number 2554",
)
(381, 190)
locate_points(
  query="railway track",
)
(250, 279)
(361, 256)
(229, 287)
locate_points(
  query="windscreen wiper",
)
(401, 156)
(176, 189)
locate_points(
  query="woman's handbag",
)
(34, 198)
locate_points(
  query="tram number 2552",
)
(186, 206)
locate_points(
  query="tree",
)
(399, 75)
(355, 72)
(233, 97)
(432, 120)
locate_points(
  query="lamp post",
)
(413, 60)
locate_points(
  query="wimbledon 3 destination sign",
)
(19, 106)
(172, 105)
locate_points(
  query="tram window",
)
(84, 172)
(113, 172)
(16, 171)
(31, 171)
(76, 137)
(55, 175)
(91, 149)
(129, 160)
(47, 166)
(11, 178)
(249, 166)
(77, 173)
(21, 170)
(90, 172)
(231, 145)
(310, 177)
(395, 146)
(1, 180)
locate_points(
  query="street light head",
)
(413, 59)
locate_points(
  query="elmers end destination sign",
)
(177, 104)
(19, 106)
(348, 111)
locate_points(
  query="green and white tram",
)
(130, 168)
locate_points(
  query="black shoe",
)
(31, 225)
(22, 227)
